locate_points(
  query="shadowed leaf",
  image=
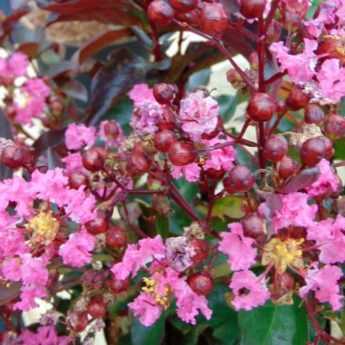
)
(107, 11)
(112, 81)
(98, 43)
(303, 180)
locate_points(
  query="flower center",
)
(161, 296)
(44, 227)
(282, 254)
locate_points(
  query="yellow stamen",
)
(282, 254)
(44, 227)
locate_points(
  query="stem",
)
(321, 334)
(261, 139)
(275, 77)
(262, 88)
(180, 201)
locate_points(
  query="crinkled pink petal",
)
(234, 244)
(249, 290)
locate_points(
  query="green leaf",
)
(228, 104)
(230, 206)
(153, 335)
(274, 325)
(198, 79)
(224, 319)
(244, 157)
(112, 81)
(122, 113)
(162, 226)
(339, 147)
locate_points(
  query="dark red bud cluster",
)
(208, 16)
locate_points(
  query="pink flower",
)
(34, 277)
(191, 172)
(295, 211)
(249, 291)
(77, 136)
(12, 242)
(147, 111)
(79, 205)
(146, 116)
(45, 335)
(300, 67)
(10, 269)
(330, 238)
(35, 92)
(331, 79)
(33, 270)
(13, 66)
(76, 252)
(50, 186)
(145, 308)
(141, 93)
(324, 283)
(188, 303)
(222, 158)
(198, 114)
(327, 181)
(16, 190)
(29, 295)
(327, 16)
(234, 244)
(111, 132)
(73, 163)
(137, 256)
(297, 7)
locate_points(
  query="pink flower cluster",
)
(166, 281)
(325, 78)
(45, 335)
(17, 263)
(147, 111)
(30, 98)
(14, 66)
(188, 303)
(34, 92)
(329, 236)
(295, 211)
(324, 283)
(77, 136)
(198, 114)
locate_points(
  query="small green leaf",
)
(230, 206)
(274, 325)
(339, 147)
(228, 104)
(224, 319)
(153, 335)
(162, 226)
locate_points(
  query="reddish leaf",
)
(112, 81)
(303, 180)
(8, 292)
(98, 43)
(10, 21)
(106, 11)
(31, 49)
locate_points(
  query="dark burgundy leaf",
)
(112, 81)
(98, 43)
(49, 139)
(8, 292)
(303, 180)
(8, 24)
(108, 11)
